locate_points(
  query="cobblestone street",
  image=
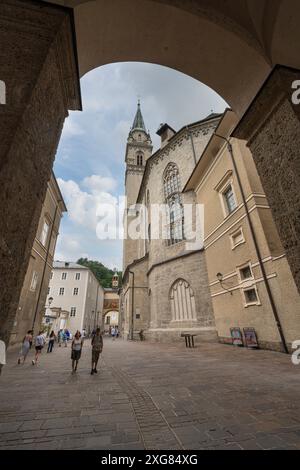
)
(153, 397)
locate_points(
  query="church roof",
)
(138, 122)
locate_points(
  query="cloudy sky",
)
(89, 164)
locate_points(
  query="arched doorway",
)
(111, 319)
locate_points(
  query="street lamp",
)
(220, 278)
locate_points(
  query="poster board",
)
(251, 338)
(237, 337)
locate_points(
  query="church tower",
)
(138, 150)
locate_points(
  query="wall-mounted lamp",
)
(220, 278)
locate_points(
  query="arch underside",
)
(231, 46)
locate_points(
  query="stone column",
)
(271, 126)
(39, 68)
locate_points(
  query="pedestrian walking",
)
(113, 333)
(76, 347)
(39, 344)
(97, 346)
(65, 338)
(141, 335)
(51, 342)
(60, 337)
(26, 345)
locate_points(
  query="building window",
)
(229, 198)
(182, 299)
(44, 233)
(77, 277)
(138, 316)
(139, 159)
(251, 296)
(64, 276)
(48, 292)
(61, 291)
(34, 281)
(237, 238)
(73, 311)
(246, 273)
(174, 203)
(75, 291)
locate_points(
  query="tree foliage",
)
(102, 273)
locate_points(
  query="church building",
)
(202, 254)
(165, 284)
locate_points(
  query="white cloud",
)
(93, 143)
(84, 207)
(99, 184)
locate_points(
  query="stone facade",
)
(272, 129)
(38, 65)
(242, 298)
(160, 272)
(30, 310)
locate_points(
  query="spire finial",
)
(138, 122)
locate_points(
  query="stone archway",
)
(230, 46)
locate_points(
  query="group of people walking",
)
(39, 343)
(76, 347)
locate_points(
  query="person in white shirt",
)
(113, 333)
(39, 344)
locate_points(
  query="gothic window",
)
(182, 299)
(174, 202)
(139, 159)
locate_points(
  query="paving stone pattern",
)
(152, 396)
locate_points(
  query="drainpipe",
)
(96, 319)
(45, 265)
(192, 142)
(132, 306)
(257, 249)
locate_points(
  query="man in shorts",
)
(39, 344)
(97, 346)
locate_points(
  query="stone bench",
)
(189, 339)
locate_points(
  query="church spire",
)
(138, 123)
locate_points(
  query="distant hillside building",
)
(30, 309)
(75, 298)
